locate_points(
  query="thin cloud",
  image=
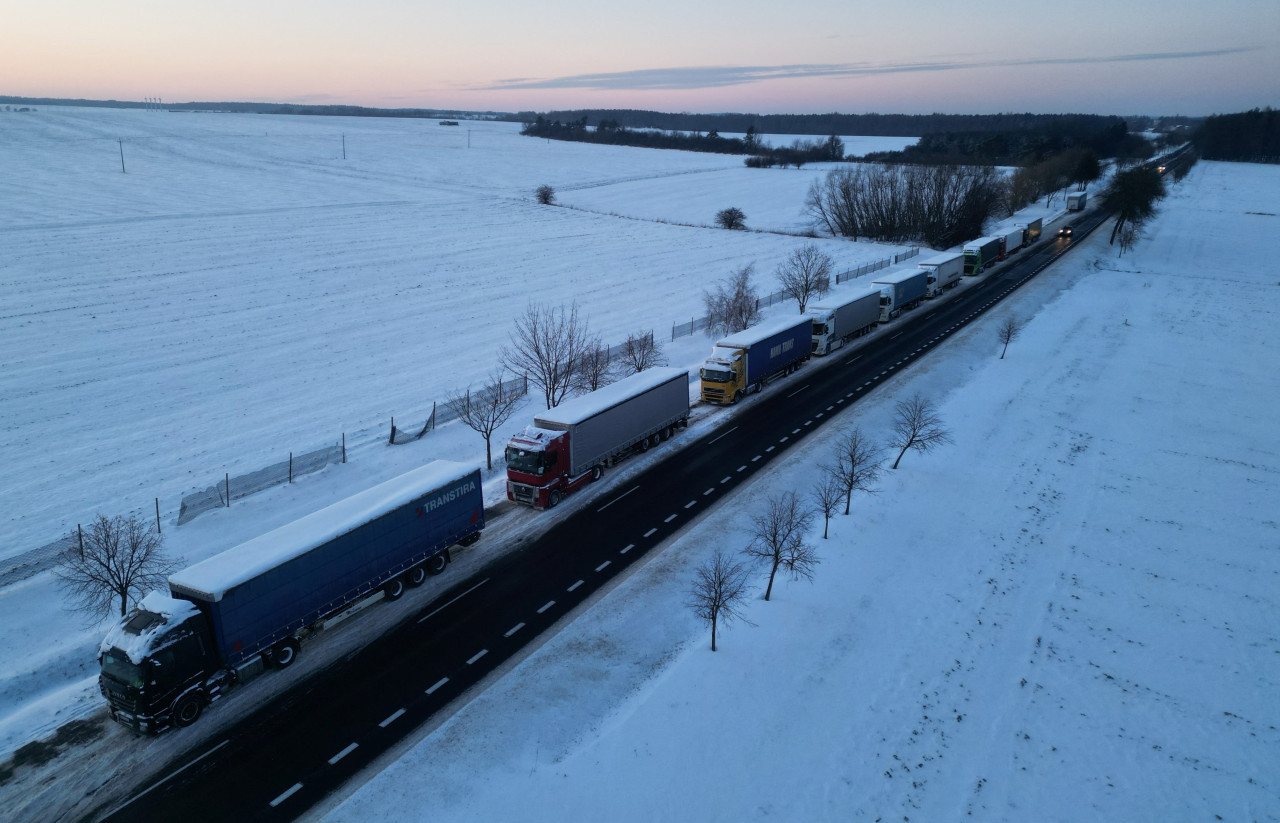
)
(705, 77)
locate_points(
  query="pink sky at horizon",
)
(1148, 57)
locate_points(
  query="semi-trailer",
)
(1031, 231)
(1011, 239)
(901, 291)
(836, 321)
(944, 270)
(572, 444)
(742, 363)
(1077, 200)
(227, 618)
(980, 253)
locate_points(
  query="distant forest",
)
(1252, 136)
(258, 108)
(1051, 135)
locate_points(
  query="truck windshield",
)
(117, 665)
(526, 462)
(819, 329)
(716, 375)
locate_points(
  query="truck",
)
(226, 619)
(742, 363)
(901, 291)
(944, 272)
(1076, 200)
(572, 444)
(1011, 239)
(980, 253)
(835, 322)
(1031, 231)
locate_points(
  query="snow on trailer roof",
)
(589, 405)
(830, 302)
(980, 242)
(761, 331)
(212, 578)
(940, 259)
(135, 634)
(899, 277)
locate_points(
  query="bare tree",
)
(1008, 332)
(778, 538)
(916, 425)
(547, 345)
(486, 410)
(719, 587)
(733, 304)
(857, 464)
(805, 274)
(641, 351)
(731, 218)
(594, 367)
(118, 558)
(827, 494)
(545, 194)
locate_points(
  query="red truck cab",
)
(537, 468)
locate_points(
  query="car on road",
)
(1067, 230)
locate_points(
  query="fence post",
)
(392, 439)
(158, 516)
(290, 467)
(344, 447)
(228, 490)
(80, 534)
(433, 413)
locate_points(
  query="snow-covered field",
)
(1069, 614)
(243, 292)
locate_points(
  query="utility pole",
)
(121, 142)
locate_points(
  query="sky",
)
(1099, 56)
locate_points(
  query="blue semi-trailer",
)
(742, 363)
(225, 619)
(900, 291)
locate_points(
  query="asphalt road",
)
(284, 759)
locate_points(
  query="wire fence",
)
(697, 324)
(220, 494)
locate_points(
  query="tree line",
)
(1252, 136)
(1054, 134)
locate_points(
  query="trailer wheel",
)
(644, 445)
(553, 499)
(393, 589)
(284, 653)
(435, 564)
(665, 434)
(416, 576)
(188, 710)
(596, 473)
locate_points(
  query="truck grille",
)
(522, 493)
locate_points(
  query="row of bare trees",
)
(733, 303)
(779, 534)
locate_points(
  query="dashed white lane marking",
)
(348, 750)
(288, 793)
(579, 583)
(443, 680)
(627, 548)
(754, 459)
(707, 492)
(477, 656)
(603, 565)
(771, 448)
(742, 468)
(517, 627)
(649, 533)
(394, 716)
(728, 477)
(691, 504)
(670, 517)
(829, 408)
(797, 431)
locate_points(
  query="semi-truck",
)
(572, 444)
(836, 321)
(901, 291)
(1076, 200)
(742, 363)
(944, 270)
(225, 619)
(980, 253)
(1031, 231)
(1011, 239)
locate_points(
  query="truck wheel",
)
(188, 710)
(416, 576)
(596, 473)
(644, 445)
(665, 434)
(393, 589)
(435, 564)
(553, 499)
(736, 397)
(284, 653)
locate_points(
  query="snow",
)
(138, 644)
(1070, 613)
(938, 260)
(577, 409)
(760, 331)
(899, 277)
(243, 291)
(211, 579)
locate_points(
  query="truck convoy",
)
(980, 253)
(742, 363)
(227, 618)
(901, 291)
(837, 321)
(944, 272)
(570, 445)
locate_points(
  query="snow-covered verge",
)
(1071, 613)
